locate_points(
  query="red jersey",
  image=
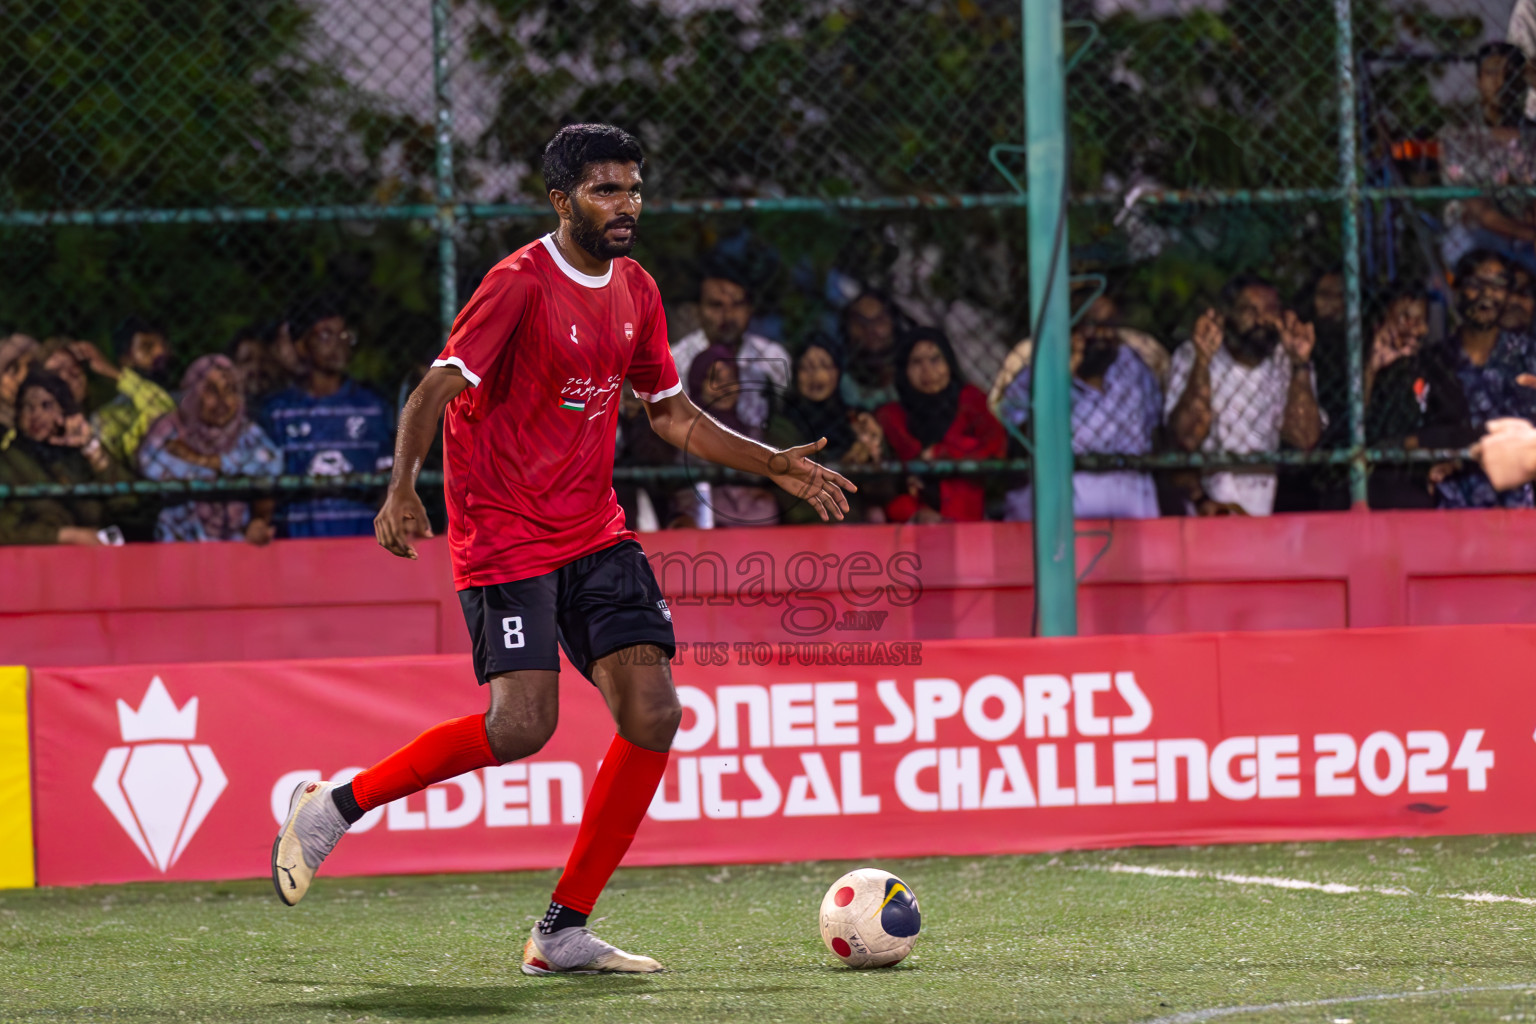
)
(528, 447)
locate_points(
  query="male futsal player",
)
(530, 380)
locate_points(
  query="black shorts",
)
(591, 607)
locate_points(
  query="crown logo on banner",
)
(157, 717)
(159, 787)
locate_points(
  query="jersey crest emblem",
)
(629, 332)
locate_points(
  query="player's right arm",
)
(473, 356)
(403, 516)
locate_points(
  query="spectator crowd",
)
(277, 402)
(1257, 374)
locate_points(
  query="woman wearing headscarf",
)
(206, 437)
(55, 444)
(714, 387)
(815, 408)
(938, 416)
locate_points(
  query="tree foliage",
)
(170, 104)
(196, 103)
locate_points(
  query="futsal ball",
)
(869, 918)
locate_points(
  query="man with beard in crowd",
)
(1116, 409)
(1494, 367)
(1244, 383)
(725, 310)
(144, 361)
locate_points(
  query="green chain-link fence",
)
(210, 164)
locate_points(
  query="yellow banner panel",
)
(16, 859)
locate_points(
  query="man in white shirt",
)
(1244, 383)
(725, 309)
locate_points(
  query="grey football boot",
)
(313, 829)
(578, 951)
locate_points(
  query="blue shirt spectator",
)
(1116, 409)
(328, 425)
(1489, 362)
(1491, 394)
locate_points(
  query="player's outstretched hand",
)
(1507, 453)
(821, 488)
(402, 519)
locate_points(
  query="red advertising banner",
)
(817, 750)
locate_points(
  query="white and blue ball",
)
(869, 918)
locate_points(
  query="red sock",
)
(444, 751)
(620, 797)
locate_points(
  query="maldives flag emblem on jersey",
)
(629, 332)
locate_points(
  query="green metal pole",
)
(1349, 179)
(442, 104)
(1050, 387)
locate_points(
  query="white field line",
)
(1274, 882)
(1196, 1016)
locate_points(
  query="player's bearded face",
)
(590, 227)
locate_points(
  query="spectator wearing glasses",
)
(209, 436)
(1244, 383)
(1494, 367)
(1116, 409)
(327, 425)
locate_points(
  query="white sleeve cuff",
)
(473, 378)
(658, 396)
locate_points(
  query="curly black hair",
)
(576, 146)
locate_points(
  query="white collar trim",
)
(571, 272)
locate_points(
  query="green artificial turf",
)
(1044, 938)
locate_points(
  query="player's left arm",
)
(1507, 453)
(684, 425)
